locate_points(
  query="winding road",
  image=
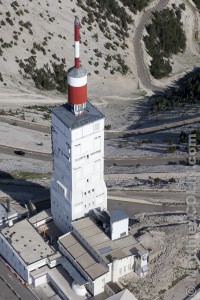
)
(109, 134)
(109, 161)
(142, 71)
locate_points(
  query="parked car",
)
(19, 152)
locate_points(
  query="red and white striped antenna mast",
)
(77, 77)
(77, 42)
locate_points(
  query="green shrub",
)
(172, 180)
(171, 149)
(108, 127)
(157, 180)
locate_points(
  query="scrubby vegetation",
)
(100, 13)
(184, 94)
(165, 37)
(103, 11)
(48, 78)
(135, 5)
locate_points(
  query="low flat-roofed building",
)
(41, 218)
(25, 250)
(97, 257)
(148, 243)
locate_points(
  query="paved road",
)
(141, 68)
(25, 124)
(118, 133)
(110, 134)
(120, 162)
(135, 208)
(151, 195)
(29, 154)
(19, 289)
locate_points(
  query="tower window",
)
(87, 156)
(87, 180)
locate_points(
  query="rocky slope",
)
(36, 41)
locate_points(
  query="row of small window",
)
(120, 270)
(89, 204)
(88, 192)
(87, 156)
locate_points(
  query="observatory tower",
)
(77, 184)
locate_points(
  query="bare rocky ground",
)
(170, 267)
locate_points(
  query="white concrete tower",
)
(77, 184)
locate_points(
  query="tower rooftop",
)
(66, 116)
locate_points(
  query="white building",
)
(24, 249)
(34, 260)
(77, 184)
(99, 258)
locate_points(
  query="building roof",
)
(27, 242)
(73, 272)
(106, 248)
(117, 215)
(44, 214)
(66, 116)
(148, 243)
(95, 238)
(123, 295)
(81, 255)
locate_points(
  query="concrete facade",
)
(77, 184)
(119, 224)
